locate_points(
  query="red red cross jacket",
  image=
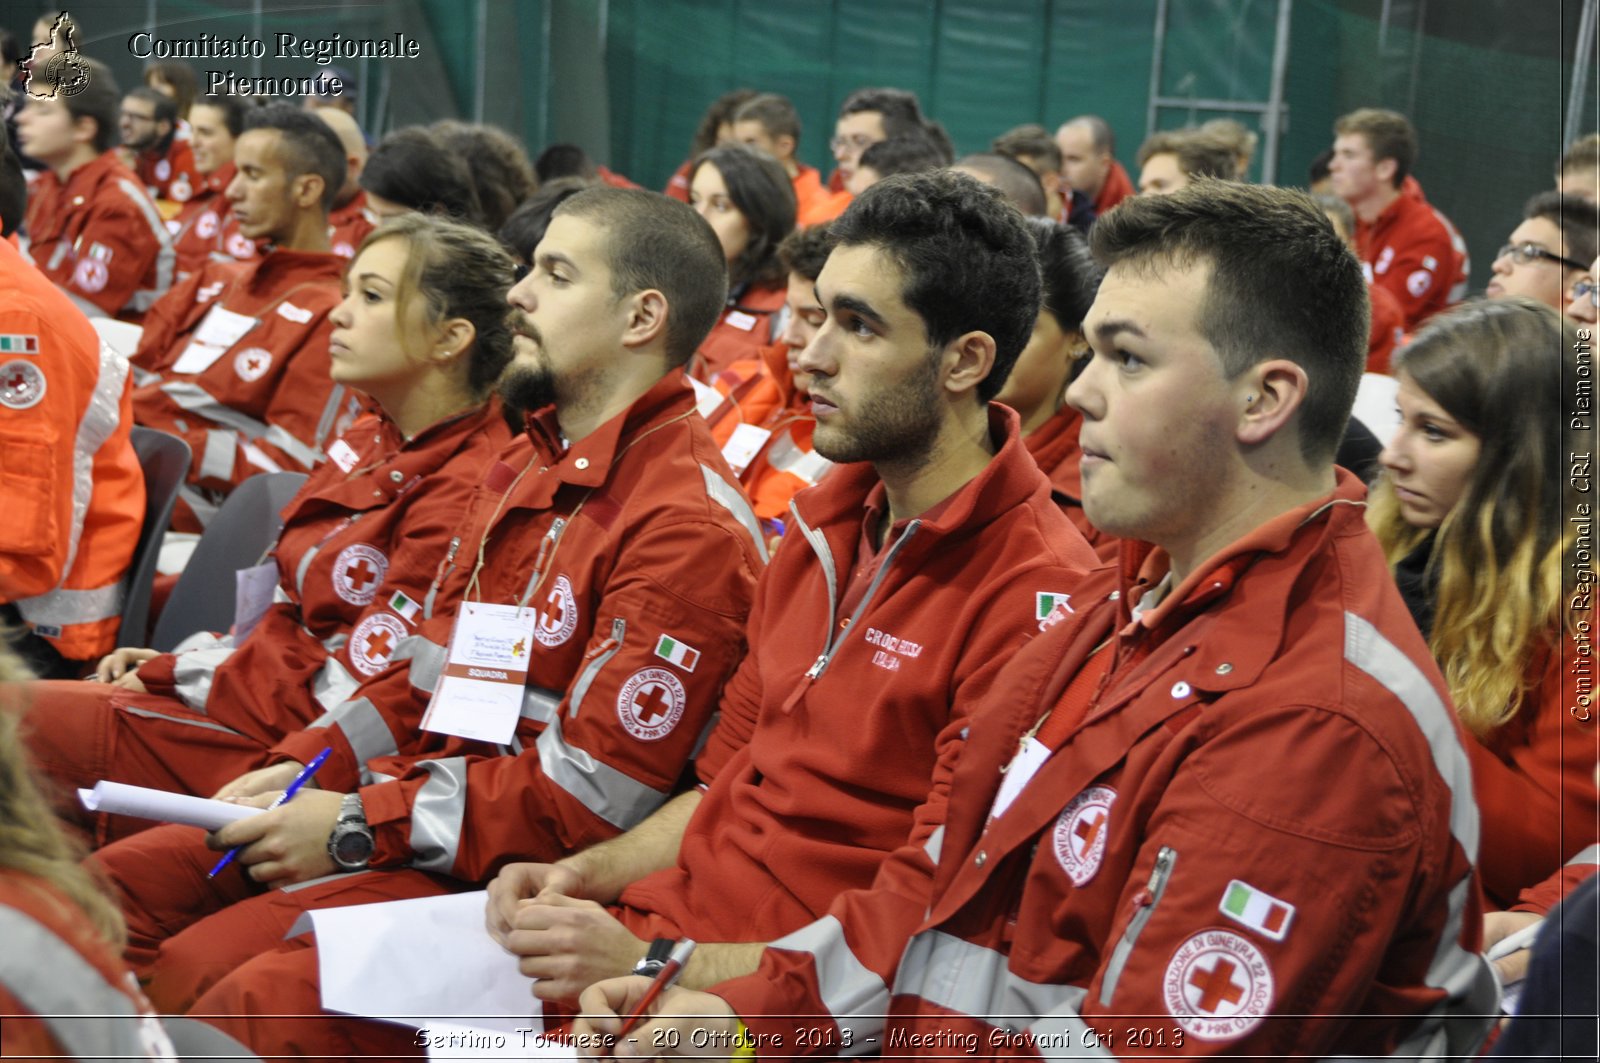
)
(100, 238)
(349, 225)
(205, 230)
(265, 401)
(853, 701)
(169, 174)
(358, 554)
(639, 557)
(1408, 250)
(1257, 840)
(742, 330)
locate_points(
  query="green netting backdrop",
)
(1485, 81)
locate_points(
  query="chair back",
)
(164, 459)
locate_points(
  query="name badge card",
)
(743, 446)
(1024, 766)
(479, 696)
(252, 597)
(219, 330)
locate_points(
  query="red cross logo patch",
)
(558, 617)
(22, 385)
(252, 363)
(205, 226)
(90, 274)
(651, 703)
(1218, 985)
(358, 571)
(1080, 834)
(374, 641)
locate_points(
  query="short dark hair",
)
(307, 145)
(1016, 182)
(1576, 217)
(966, 256)
(1582, 156)
(181, 76)
(563, 160)
(1029, 142)
(1282, 285)
(164, 107)
(522, 231)
(901, 112)
(912, 153)
(411, 167)
(1198, 154)
(653, 241)
(762, 191)
(10, 49)
(1069, 272)
(1339, 213)
(720, 111)
(13, 186)
(459, 271)
(100, 99)
(805, 251)
(1321, 167)
(1388, 133)
(231, 108)
(499, 169)
(775, 113)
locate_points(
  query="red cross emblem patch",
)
(358, 571)
(374, 641)
(651, 703)
(558, 617)
(22, 385)
(1080, 834)
(1218, 985)
(252, 363)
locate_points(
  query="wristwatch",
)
(656, 958)
(351, 842)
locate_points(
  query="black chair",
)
(245, 527)
(165, 461)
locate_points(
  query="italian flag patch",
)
(1256, 909)
(1045, 603)
(672, 651)
(19, 344)
(407, 608)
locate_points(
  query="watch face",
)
(352, 848)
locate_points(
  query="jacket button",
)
(396, 475)
(1180, 689)
(981, 859)
(1224, 668)
(582, 463)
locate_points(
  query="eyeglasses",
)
(859, 141)
(131, 117)
(1522, 254)
(1587, 289)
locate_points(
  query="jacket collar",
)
(588, 462)
(1054, 445)
(282, 266)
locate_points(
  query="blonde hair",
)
(31, 841)
(1497, 559)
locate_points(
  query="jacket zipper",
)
(445, 568)
(599, 657)
(835, 640)
(1144, 904)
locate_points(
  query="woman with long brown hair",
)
(1474, 510)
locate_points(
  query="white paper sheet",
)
(407, 961)
(145, 803)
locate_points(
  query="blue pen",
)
(299, 781)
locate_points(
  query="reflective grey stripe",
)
(784, 455)
(330, 416)
(90, 1018)
(540, 705)
(281, 596)
(337, 876)
(1467, 978)
(193, 672)
(972, 980)
(437, 813)
(819, 546)
(1063, 1033)
(141, 377)
(427, 660)
(166, 260)
(55, 261)
(300, 569)
(333, 683)
(586, 678)
(732, 499)
(362, 726)
(615, 797)
(855, 997)
(100, 419)
(221, 447)
(196, 399)
(204, 725)
(335, 642)
(61, 606)
(935, 844)
(202, 507)
(1590, 855)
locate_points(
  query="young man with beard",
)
(163, 161)
(608, 553)
(1135, 833)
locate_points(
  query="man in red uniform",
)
(629, 559)
(349, 221)
(770, 123)
(235, 359)
(1134, 833)
(164, 162)
(1388, 320)
(1404, 244)
(74, 493)
(92, 228)
(205, 230)
(868, 116)
(1088, 162)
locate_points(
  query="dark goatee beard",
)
(524, 389)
